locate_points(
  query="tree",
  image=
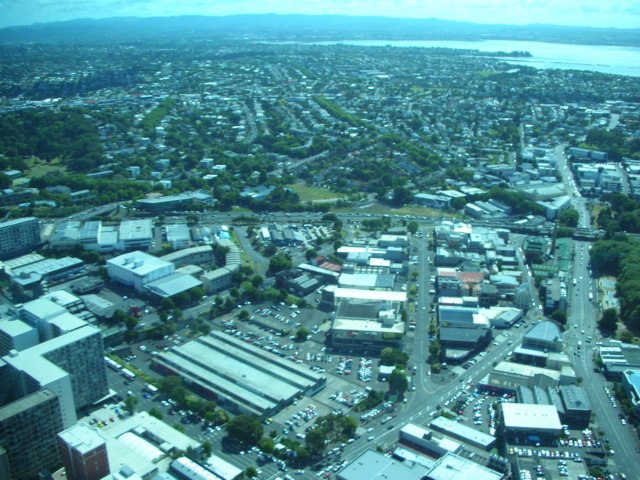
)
(130, 403)
(251, 472)
(245, 429)
(569, 218)
(207, 449)
(154, 412)
(412, 228)
(315, 441)
(393, 356)
(609, 320)
(243, 315)
(302, 334)
(398, 382)
(280, 262)
(311, 254)
(559, 316)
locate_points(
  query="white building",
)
(136, 269)
(135, 234)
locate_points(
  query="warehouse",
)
(246, 378)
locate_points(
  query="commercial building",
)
(506, 377)
(246, 378)
(201, 255)
(544, 336)
(366, 325)
(19, 236)
(172, 202)
(172, 285)
(83, 451)
(136, 269)
(28, 429)
(372, 465)
(425, 440)
(222, 278)
(463, 433)
(135, 234)
(527, 424)
(178, 236)
(576, 407)
(455, 467)
(631, 386)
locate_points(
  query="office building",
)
(136, 269)
(84, 453)
(19, 236)
(28, 429)
(135, 234)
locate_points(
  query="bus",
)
(151, 388)
(128, 374)
(112, 364)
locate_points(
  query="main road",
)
(582, 327)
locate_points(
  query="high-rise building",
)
(84, 453)
(72, 365)
(18, 236)
(28, 429)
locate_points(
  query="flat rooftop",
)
(521, 416)
(82, 437)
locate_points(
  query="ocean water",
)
(598, 58)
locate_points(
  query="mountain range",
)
(306, 28)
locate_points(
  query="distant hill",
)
(306, 28)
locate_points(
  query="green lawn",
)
(38, 168)
(313, 194)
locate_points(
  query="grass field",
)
(412, 210)
(38, 168)
(313, 194)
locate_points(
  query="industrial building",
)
(527, 424)
(171, 285)
(222, 278)
(136, 269)
(246, 378)
(463, 433)
(28, 428)
(50, 269)
(19, 236)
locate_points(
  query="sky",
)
(592, 13)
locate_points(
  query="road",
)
(582, 323)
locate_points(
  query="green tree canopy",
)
(393, 356)
(245, 429)
(609, 320)
(398, 382)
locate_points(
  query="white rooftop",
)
(82, 437)
(370, 294)
(140, 263)
(523, 416)
(43, 309)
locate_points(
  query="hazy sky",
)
(596, 13)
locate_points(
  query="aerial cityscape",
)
(301, 245)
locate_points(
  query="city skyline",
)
(590, 13)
